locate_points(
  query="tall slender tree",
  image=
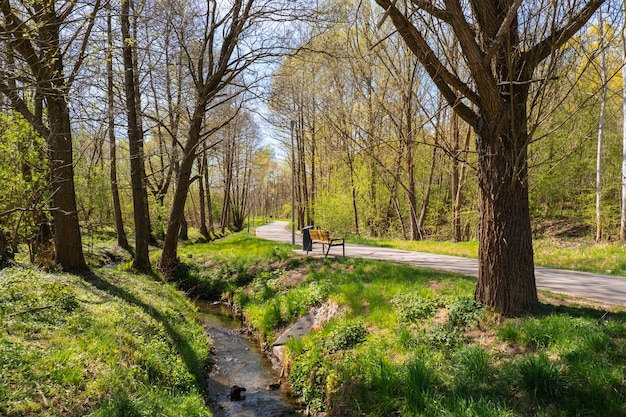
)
(604, 75)
(216, 58)
(622, 232)
(141, 261)
(122, 240)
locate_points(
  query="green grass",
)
(107, 343)
(412, 342)
(397, 340)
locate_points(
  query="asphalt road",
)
(603, 288)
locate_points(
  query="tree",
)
(122, 240)
(504, 46)
(225, 45)
(622, 232)
(604, 75)
(141, 261)
(40, 38)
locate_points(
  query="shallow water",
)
(238, 360)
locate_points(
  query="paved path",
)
(604, 288)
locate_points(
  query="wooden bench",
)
(323, 237)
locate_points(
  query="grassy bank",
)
(104, 344)
(399, 340)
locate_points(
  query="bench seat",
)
(323, 237)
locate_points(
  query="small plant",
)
(474, 372)
(541, 378)
(418, 381)
(411, 308)
(307, 375)
(444, 337)
(463, 311)
(509, 332)
(346, 336)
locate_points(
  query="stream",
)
(239, 361)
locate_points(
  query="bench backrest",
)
(319, 235)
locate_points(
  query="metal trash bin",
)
(307, 243)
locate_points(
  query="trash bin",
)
(307, 243)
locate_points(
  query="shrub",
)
(463, 311)
(346, 336)
(307, 376)
(411, 308)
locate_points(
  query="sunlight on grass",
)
(105, 344)
(411, 341)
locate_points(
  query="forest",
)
(143, 143)
(444, 120)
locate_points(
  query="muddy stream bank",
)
(239, 361)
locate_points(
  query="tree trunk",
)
(603, 80)
(122, 240)
(410, 162)
(209, 204)
(506, 273)
(426, 200)
(228, 180)
(183, 234)
(622, 232)
(305, 207)
(502, 57)
(141, 262)
(355, 207)
(458, 194)
(201, 174)
(169, 257)
(67, 239)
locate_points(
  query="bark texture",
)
(141, 262)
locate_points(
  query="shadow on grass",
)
(543, 310)
(194, 364)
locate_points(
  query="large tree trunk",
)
(141, 262)
(502, 53)
(67, 239)
(506, 273)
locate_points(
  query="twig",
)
(30, 310)
(43, 397)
